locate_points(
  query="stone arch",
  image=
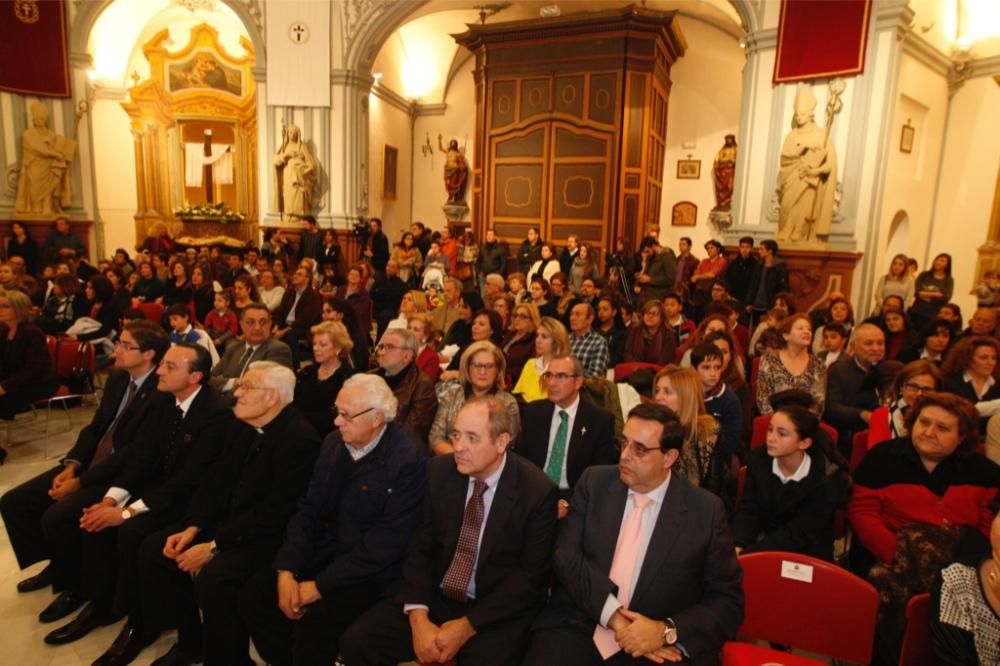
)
(249, 15)
(899, 234)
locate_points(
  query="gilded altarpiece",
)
(194, 122)
(572, 112)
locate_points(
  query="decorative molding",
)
(762, 40)
(926, 53)
(357, 14)
(113, 93)
(350, 78)
(986, 67)
(438, 109)
(894, 14)
(196, 5)
(393, 98)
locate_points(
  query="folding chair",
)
(917, 647)
(152, 311)
(803, 603)
(71, 356)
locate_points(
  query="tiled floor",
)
(20, 632)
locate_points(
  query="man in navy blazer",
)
(678, 594)
(478, 568)
(590, 430)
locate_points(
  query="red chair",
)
(806, 604)
(741, 483)
(859, 447)
(754, 373)
(152, 311)
(623, 370)
(70, 356)
(52, 342)
(917, 647)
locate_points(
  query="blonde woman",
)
(317, 385)
(551, 340)
(414, 302)
(518, 343)
(680, 389)
(480, 373)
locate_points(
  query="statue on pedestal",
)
(456, 171)
(724, 171)
(296, 173)
(808, 174)
(43, 186)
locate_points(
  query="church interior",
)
(220, 122)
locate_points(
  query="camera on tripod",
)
(362, 231)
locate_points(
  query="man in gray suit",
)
(645, 564)
(257, 345)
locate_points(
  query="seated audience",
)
(318, 384)
(834, 344)
(177, 289)
(301, 309)
(484, 326)
(673, 317)
(506, 534)
(912, 381)
(850, 384)
(701, 460)
(651, 341)
(899, 334)
(561, 297)
(732, 375)
(788, 500)
(670, 589)
(720, 402)
(244, 292)
(413, 302)
(482, 372)
(190, 572)
(337, 309)
(203, 291)
(105, 318)
(538, 291)
(952, 313)
(838, 312)
(710, 324)
(62, 305)
(257, 345)
(271, 293)
(794, 366)
(221, 323)
(551, 340)
(447, 313)
(587, 345)
(178, 316)
(387, 296)
(932, 343)
(982, 322)
(148, 288)
(343, 549)
(610, 325)
(414, 391)
(518, 343)
(422, 326)
(971, 372)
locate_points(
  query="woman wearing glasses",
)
(317, 385)
(481, 372)
(913, 381)
(519, 343)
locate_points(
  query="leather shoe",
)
(61, 606)
(180, 656)
(129, 643)
(90, 618)
(36, 582)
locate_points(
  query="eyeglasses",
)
(127, 346)
(637, 449)
(350, 417)
(247, 386)
(483, 366)
(561, 376)
(385, 346)
(910, 386)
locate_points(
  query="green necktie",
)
(554, 469)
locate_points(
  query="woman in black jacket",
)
(788, 501)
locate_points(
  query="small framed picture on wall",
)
(906, 138)
(390, 156)
(688, 169)
(684, 214)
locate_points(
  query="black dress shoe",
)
(90, 618)
(180, 656)
(61, 606)
(130, 642)
(37, 582)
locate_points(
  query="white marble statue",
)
(296, 173)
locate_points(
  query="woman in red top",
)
(422, 326)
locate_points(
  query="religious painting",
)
(204, 70)
(684, 214)
(906, 138)
(688, 169)
(390, 157)
(208, 154)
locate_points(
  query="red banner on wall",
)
(819, 39)
(33, 47)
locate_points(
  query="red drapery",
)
(820, 39)
(33, 47)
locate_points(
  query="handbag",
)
(80, 379)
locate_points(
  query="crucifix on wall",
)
(207, 167)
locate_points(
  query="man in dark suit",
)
(257, 345)
(301, 308)
(175, 448)
(478, 567)
(234, 269)
(32, 510)
(577, 433)
(569, 254)
(645, 563)
(347, 542)
(233, 527)
(850, 384)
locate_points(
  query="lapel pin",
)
(583, 430)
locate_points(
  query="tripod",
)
(618, 273)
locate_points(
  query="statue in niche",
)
(807, 179)
(456, 171)
(296, 173)
(724, 171)
(43, 187)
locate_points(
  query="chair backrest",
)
(71, 356)
(52, 342)
(830, 431)
(754, 372)
(809, 604)
(859, 447)
(917, 647)
(741, 483)
(623, 370)
(152, 311)
(759, 434)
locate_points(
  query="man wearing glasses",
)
(645, 562)
(257, 345)
(346, 544)
(42, 515)
(577, 433)
(413, 389)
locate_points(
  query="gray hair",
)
(277, 377)
(495, 278)
(407, 339)
(378, 395)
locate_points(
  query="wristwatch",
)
(215, 549)
(669, 632)
(126, 513)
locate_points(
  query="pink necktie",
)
(622, 566)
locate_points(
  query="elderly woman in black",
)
(26, 372)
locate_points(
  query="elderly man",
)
(587, 345)
(43, 515)
(447, 313)
(982, 322)
(475, 576)
(493, 288)
(347, 542)
(670, 589)
(850, 384)
(257, 345)
(175, 449)
(413, 389)
(301, 308)
(577, 433)
(232, 528)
